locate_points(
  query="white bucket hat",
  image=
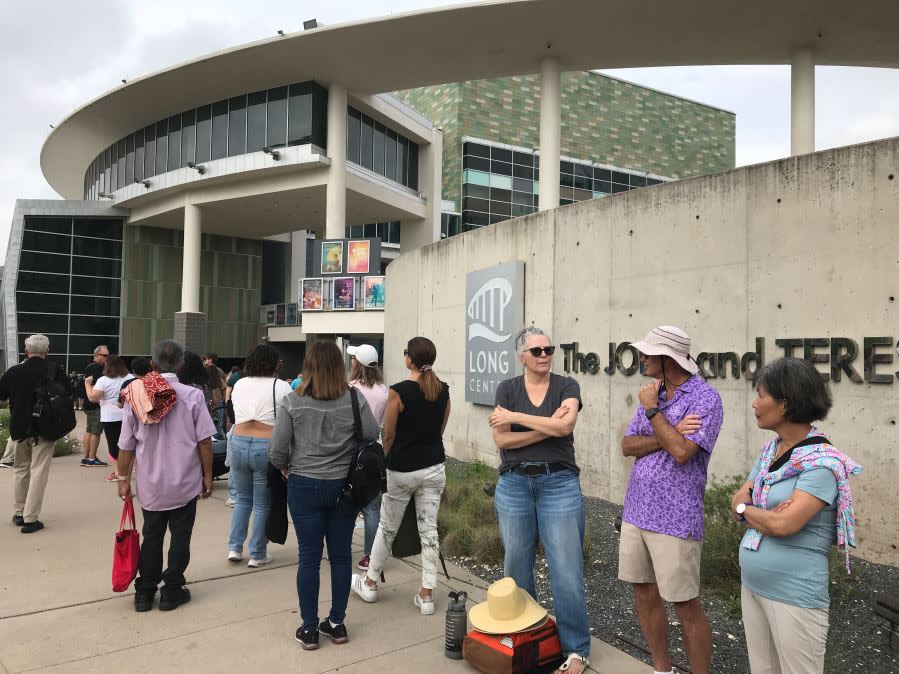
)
(366, 354)
(508, 610)
(667, 340)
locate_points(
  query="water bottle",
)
(456, 625)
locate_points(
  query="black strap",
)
(357, 416)
(781, 461)
(274, 404)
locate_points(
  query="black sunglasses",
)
(537, 350)
(405, 352)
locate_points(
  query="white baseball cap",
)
(366, 354)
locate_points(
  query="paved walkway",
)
(58, 612)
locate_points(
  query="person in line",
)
(106, 391)
(418, 409)
(140, 368)
(295, 384)
(365, 375)
(216, 397)
(672, 435)
(313, 445)
(538, 495)
(212, 359)
(32, 453)
(90, 442)
(9, 454)
(256, 398)
(796, 503)
(174, 467)
(236, 374)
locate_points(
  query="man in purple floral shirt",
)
(672, 436)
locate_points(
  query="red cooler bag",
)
(535, 650)
(126, 555)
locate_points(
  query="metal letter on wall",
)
(494, 312)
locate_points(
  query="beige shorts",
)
(670, 562)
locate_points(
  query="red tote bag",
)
(126, 555)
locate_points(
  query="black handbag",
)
(276, 524)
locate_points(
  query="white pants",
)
(427, 487)
(32, 468)
(783, 639)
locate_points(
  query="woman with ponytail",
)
(417, 411)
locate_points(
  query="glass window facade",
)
(499, 183)
(69, 286)
(388, 232)
(290, 115)
(372, 145)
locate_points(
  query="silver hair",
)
(522, 337)
(37, 345)
(102, 346)
(168, 355)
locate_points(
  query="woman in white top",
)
(255, 399)
(365, 375)
(106, 392)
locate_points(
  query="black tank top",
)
(419, 429)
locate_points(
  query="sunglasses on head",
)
(537, 350)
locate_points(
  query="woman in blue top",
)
(796, 504)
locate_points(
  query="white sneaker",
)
(229, 502)
(426, 605)
(234, 556)
(256, 563)
(360, 587)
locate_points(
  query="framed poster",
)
(332, 257)
(358, 257)
(292, 314)
(374, 294)
(312, 294)
(270, 314)
(279, 315)
(344, 294)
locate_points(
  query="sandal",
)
(564, 667)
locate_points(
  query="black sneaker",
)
(337, 634)
(18, 520)
(31, 527)
(172, 597)
(143, 601)
(98, 462)
(308, 638)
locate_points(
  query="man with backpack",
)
(40, 408)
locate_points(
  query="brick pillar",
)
(190, 330)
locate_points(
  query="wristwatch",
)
(740, 509)
(651, 412)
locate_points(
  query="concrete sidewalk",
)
(58, 612)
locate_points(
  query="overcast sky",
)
(61, 53)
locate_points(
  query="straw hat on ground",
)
(508, 609)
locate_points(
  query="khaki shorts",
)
(94, 427)
(670, 562)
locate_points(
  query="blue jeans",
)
(552, 507)
(316, 518)
(249, 461)
(371, 515)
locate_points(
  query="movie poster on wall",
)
(280, 316)
(358, 257)
(344, 293)
(292, 314)
(375, 292)
(312, 294)
(270, 314)
(332, 257)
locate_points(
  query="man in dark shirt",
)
(91, 440)
(32, 454)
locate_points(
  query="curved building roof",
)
(481, 41)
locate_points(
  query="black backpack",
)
(52, 413)
(368, 470)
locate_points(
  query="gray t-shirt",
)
(512, 395)
(314, 438)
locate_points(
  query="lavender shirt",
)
(663, 496)
(169, 473)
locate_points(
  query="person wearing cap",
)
(538, 495)
(365, 375)
(672, 435)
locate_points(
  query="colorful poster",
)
(357, 262)
(375, 292)
(344, 293)
(332, 257)
(292, 318)
(279, 315)
(312, 294)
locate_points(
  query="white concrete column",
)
(190, 274)
(335, 214)
(550, 131)
(802, 103)
(417, 233)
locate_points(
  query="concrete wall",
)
(804, 247)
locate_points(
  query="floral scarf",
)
(822, 455)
